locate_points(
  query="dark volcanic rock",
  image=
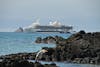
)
(49, 39)
(20, 56)
(23, 63)
(81, 47)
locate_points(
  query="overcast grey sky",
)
(81, 14)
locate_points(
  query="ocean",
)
(12, 42)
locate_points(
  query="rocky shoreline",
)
(81, 47)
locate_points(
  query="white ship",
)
(52, 27)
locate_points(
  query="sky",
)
(81, 14)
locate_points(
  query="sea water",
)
(12, 42)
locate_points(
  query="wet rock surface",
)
(81, 47)
(23, 63)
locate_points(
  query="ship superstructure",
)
(52, 27)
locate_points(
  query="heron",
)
(40, 53)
